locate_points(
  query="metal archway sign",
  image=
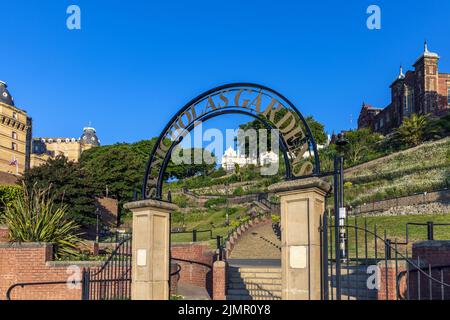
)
(257, 101)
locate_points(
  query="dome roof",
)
(89, 136)
(5, 96)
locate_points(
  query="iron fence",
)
(367, 265)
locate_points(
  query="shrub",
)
(238, 191)
(8, 194)
(34, 217)
(215, 202)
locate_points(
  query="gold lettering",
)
(237, 98)
(256, 102)
(291, 124)
(293, 133)
(299, 154)
(224, 99)
(210, 104)
(270, 111)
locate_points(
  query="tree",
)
(69, 184)
(412, 131)
(317, 129)
(362, 146)
(121, 168)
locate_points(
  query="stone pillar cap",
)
(152, 203)
(299, 184)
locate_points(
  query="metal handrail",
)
(24, 284)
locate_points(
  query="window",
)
(14, 115)
(14, 135)
(381, 122)
(14, 146)
(448, 93)
(409, 102)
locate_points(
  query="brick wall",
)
(198, 274)
(389, 292)
(32, 262)
(4, 234)
(434, 254)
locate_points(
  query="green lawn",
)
(213, 219)
(393, 228)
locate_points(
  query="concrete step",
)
(268, 286)
(259, 275)
(249, 297)
(255, 280)
(256, 291)
(253, 270)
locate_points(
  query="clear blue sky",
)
(135, 63)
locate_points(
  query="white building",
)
(232, 157)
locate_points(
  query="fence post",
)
(388, 249)
(219, 247)
(430, 229)
(194, 235)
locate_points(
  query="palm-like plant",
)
(412, 130)
(34, 217)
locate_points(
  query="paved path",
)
(259, 243)
(190, 292)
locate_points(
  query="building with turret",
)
(15, 137)
(71, 148)
(423, 90)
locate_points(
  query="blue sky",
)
(135, 63)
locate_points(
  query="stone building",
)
(232, 157)
(15, 136)
(423, 90)
(71, 148)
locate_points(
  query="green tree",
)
(362, 146)
(412, 131)
(70, 185)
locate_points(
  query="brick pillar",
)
(219, 280)
(389, 292)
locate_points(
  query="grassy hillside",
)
(424, 168)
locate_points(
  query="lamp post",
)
(97, 213)
(339, 211)
(227, 216)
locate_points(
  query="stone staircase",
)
(254, 283)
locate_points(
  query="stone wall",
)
(424, 203)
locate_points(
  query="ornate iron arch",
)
(257, 101)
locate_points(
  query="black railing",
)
(430, 228)
(195, 233)
(361, 254)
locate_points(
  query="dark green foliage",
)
(8, 194)
(70, 185)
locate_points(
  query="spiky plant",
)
(36, 217)
(412, 130)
